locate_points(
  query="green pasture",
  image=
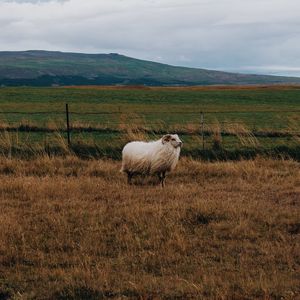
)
(258, 110)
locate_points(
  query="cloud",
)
(229, 34)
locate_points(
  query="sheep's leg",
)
(162, 177)
(159, 177)
(129, 177)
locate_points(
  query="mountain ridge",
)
(46, 68)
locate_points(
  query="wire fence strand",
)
(146, 113)
(138, 119)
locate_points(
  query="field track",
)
(194, 88)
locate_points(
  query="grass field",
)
(103, 119)
(73, 229)
(255, 106)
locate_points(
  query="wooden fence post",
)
(202, 128)
(68, 124)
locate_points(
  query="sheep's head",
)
(172, 139)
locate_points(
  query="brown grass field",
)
(73, 229)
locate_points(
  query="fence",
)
(203, 130)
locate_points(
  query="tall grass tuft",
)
(216, 132)
(6, 142)
(245, 136)
(133, 127)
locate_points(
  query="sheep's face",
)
(172, 139)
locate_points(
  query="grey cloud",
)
(31, 1)
(261, 36)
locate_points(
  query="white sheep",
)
(147, 158)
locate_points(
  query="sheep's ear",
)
(166, 138)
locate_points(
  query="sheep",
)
(148, 158)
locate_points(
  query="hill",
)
(46, 68)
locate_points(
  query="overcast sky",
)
(254, 36)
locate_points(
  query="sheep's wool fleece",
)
(149, 158)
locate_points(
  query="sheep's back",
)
(136, 157)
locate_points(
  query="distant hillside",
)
(45, 68)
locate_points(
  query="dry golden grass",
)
(73, 229)
(243, 133)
